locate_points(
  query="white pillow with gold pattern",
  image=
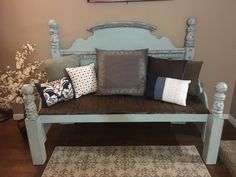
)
(83, 79)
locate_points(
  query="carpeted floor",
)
(126, 161)
(228, 155)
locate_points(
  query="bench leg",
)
(215, 126)
(36, 137)
(212, 139)
(201, 126)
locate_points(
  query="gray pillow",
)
(55, 67)
(121, 72)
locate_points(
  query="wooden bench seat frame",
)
(210, 125)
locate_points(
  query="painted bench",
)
(125, 36)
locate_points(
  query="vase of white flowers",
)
(12, 80)
(5, 114)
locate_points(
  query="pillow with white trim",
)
(55, 91)
(167, 89)
(83, 79)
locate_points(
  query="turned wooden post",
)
(215, 126)
(55, 41)
(219, 97)
(34, 127)
(190, 38)
(28, 97)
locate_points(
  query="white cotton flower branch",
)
(12, 80)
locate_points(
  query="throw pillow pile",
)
(120, 73)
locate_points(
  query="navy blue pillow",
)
(55, 91)
(155, 86)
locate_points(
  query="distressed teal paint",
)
(126, 36)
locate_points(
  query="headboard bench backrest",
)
(125, 36)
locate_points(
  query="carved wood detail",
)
(55, 41)
(218, 103)
(30, 106)
(190, 38)
(191, 29)
(79, 45)
(146, 26)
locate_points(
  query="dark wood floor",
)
(15, 160)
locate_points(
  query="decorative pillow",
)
(121, 72)
(178, 69)
(83, 79)
(55, 91)
(167, 89)
(55, 68)
(192, 71)
(166, 67)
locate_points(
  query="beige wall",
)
(216, 40)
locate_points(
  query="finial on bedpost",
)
(190, 38)
(28, 97)
(55, 46)
(219, 97)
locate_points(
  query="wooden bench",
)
(92, 108)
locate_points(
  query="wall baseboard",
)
(226, 116)
(18, 116)
(232, 120)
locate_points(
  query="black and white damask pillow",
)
(55, 91)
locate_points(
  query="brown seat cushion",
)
(119, 104)
(178, 69)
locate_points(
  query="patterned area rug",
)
(228, 155)
(126, 161)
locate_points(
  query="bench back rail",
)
(126, 36)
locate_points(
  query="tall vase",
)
(20, 119)
(5, 114)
